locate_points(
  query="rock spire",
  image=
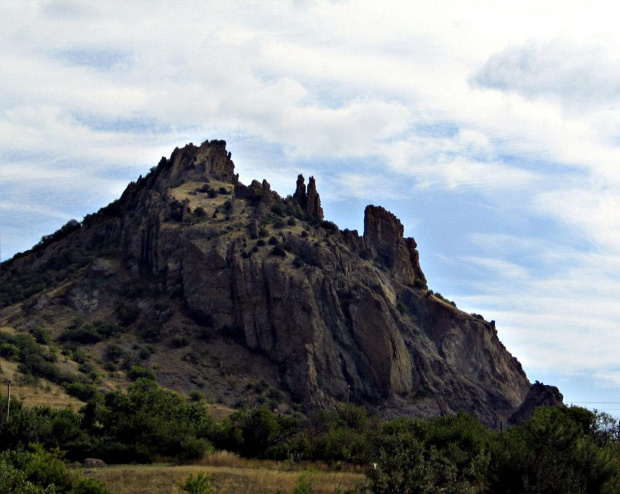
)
(309, 201)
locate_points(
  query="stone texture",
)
(538, 395)
(347, 314)
(383, 239)
(309, 200)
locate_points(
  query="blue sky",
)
(491, 129)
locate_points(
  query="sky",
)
(491, 129)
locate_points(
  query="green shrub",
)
(90, 486)
(306, 482)
(201, 484)
(81, 391)
(138, 372)
(179, 341)
(419, 283)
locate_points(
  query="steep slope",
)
(258, 285)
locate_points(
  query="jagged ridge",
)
(342, 316)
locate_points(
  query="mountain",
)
(233, 291)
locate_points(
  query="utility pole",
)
(8, 401)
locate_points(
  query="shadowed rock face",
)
(539, 395)
(335, 312)
(310, 202)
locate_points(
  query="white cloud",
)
(595, 213)
(582, 78)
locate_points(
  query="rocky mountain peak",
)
(193, 254)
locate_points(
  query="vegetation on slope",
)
(558, 450)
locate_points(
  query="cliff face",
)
(340, 316)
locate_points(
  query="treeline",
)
(558, 450)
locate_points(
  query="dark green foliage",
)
(113, 353)
(81, 391)
(38, 471)
(329, 226)
(199, 212)
(557, 451)
(279, 208)
(42, 335)
(176, 209)
(273, 241)
(40, 468)
(49, 427)
(35, 360)
(150, 421)
(258, 433)
(20, 284)
(420, 283)
(89, 333)
(136, 372)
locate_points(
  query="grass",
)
(47, 393)
(229, 475)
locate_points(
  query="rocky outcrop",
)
(309, 201)
(338, 314)
(383, 238)
(300, 193)
(539, 395)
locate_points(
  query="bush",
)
(38, 471)
(138, 372)
(179, 341)
(81, 391)
(199, 485)
(419, 283)
(329, 226)
(278, 251)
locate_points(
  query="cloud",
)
(594, 213)
(578, 76)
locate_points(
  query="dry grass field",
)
(229, 475)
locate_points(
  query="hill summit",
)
(246, 296)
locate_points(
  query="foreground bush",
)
(38, 471)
